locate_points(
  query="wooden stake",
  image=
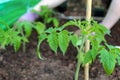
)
(87, 45)
(88, 9)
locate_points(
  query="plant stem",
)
(80, 50)
(24, 44)
(77, 71)
(38, 52)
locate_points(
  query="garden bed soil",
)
(26, 66)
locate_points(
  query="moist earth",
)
(26, 66)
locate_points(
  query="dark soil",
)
(26, 66)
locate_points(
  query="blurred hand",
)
(29, 16)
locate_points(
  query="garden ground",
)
(26, 66)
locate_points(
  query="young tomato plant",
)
(10, 36)
(24, 28)
(59, 37)
(48, 16)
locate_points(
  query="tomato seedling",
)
(10, 36)
(59, 37)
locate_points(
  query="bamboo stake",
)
(87, 44)
(88, 9)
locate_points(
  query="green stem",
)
(38, 52)
(77, 71)
(81, 49)
(24, 44)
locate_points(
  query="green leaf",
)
(53, 41)
(42, 37)
(49, 30)
(100, 27)
(87, 58)
(28, 29)
(55, 22)
(19, 25)
(16, 43)
(108, 61)
(5, 42)
(118, 59)
(93, 52)
(70, 23)
(24, 39)
(115, 51)
(49, 20)
(96, 46)
(40, 27)
(74, 39)
(103, 29)
(63, 39)
(79, 41)
(27, 26)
